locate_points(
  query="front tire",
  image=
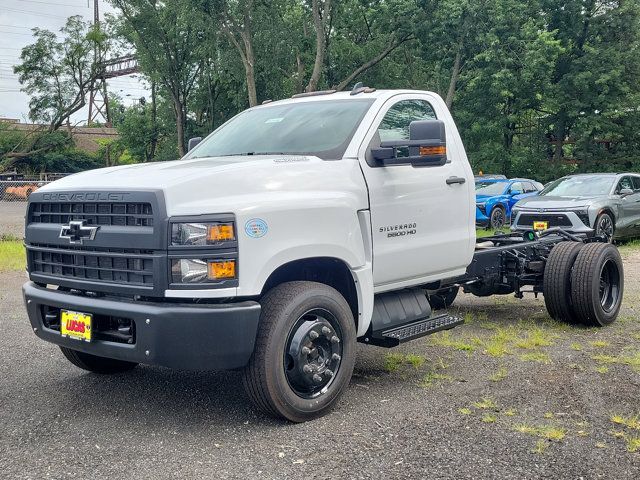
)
(497, 218)
(304, 353)
(605, 227)
(597, 284)
(95, 364)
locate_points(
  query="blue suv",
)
(496, 197)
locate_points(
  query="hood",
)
(551, 202)
(225, 184)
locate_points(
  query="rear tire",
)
(96, 364)
(497, 219)
(443, 298)
(557, 281)
(597, 284)
(298, 370)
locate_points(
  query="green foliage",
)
(12, 256)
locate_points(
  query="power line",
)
(16, 33)
(51, 3)
(29, 12)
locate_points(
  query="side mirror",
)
(193, 142)
(513, 193)
(626, 191)
(427, 145)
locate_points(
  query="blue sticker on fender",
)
(256, 228)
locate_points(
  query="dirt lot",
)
(12, 218)
(509, 395)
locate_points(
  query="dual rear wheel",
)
(584, 283)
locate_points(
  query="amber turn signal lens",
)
(221, 269)
(220, 232)
(439, 150)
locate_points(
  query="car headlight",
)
(198, 234)
(481, 206)
(200, 270)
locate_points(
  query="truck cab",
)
(292, 231)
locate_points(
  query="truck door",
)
(421, 216)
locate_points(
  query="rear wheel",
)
(443, 298)
(605, 226)
(96, 364)
(597, 284)
(497, 218)
(304, 353)
(557, 281)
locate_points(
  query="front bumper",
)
(567, 220)
(190, 337)
(482, 220)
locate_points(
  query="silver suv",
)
(607, 203)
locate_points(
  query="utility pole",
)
(98, 99)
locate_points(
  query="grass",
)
(500, 375)
(576, 346)
(393, 361)
(489, 418)
(599, 344)
(444, 339)
(629, 422)
(548, 432)
(12, 255)
(465, 411)
(632, 360)
(536, 337)
(486, 404)
(602, 369)
(539, 357)
(510, 412)
(541, 447)
(430, 378)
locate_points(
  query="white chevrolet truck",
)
(290, 233)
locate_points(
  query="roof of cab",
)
(345, 95)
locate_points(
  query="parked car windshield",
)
(490, 188)
(580, 186)
(323, 129)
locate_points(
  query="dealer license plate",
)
(75, 325)
(540, 225)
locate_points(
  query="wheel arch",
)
(326, 270)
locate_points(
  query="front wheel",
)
(96, 364)
(605, 227)
(497, 219)
(305, 351)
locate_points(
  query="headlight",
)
(196, 270)
(481, 206)
(202, 234)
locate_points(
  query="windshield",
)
(580, 186)
(323, 129)
(490, 188)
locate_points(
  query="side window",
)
(528, 187)
(625, 182)
(395, 124)
(516, 188)
(636, 184)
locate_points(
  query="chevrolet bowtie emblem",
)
(76, 232)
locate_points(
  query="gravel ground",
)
(12, 218)
(479, 402)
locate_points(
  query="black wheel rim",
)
(605, 227)
(313, 353)
(609, 286)
(497, 218)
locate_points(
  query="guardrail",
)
(18, 190)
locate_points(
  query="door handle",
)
(452, 180)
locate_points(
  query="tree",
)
(170, 42)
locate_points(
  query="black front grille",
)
(554, 219)
(129, 267)
(103, 213)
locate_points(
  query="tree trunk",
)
(320, 14)
(180, 124)
(249, 69)
(560, 134)
(154, 124)
(455, 73)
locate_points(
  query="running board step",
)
(410, 331)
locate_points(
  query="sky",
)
(17, 18)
